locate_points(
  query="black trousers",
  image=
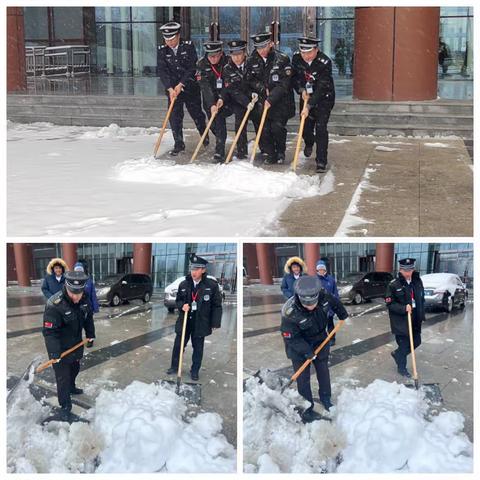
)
(192, 101)
(323, 377)
(239, 113)
(219, 128)
(65, 375)
(315, 130)
(403, 350)
(197, 345)
(274, 135)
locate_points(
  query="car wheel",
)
(115, 300)
(358, 298)
(170, 310)
(146, 297)
(448, 303)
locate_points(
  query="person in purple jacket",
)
(330, 286)
(82, 266)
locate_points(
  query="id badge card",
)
(194, 306)
(219, 83)
(309, 88)
(413, 303)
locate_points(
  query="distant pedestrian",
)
(55, 278)
(294, 268)
(330, 286)
(444, 56)
(405, 294)
(82, 266)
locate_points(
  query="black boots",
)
(310, 415)
(179, 147)
(307, 151)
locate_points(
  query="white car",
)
(172, 289)
(444, 290)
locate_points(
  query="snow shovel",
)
(190, 391)
(259, 133)
(432, 390)
(33, 369)
(300, 136)
(207, 128)
(164, 126)
(250, 107)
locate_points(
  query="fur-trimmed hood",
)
(54, 262)
(291, 260)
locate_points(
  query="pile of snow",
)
(437, 145)
(237, 177)
(115, 131)
(382, 148)
(276, 440)
(380, 428)
(142, 428)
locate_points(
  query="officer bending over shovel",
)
(304, 328)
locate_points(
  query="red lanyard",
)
(194, 296)
(308, 76)
(218, 74)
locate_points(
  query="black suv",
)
(116, 289)
(358, 287)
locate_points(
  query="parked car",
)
(445, 291)
(172, 289)
(359, 287)
(115, 289)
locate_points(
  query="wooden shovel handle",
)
(164, 126)
(202, 138)
(300, 135)
(259, 133)
(412, 346)
(182, 346)
(45, 365)
(237, 136)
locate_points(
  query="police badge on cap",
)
(170, 29)
(213, 47)
(197, 262)
(407, 264)
(75, 281)
(306, 44)
(261, 40)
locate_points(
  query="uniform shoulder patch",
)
(388, 299)
(286, 334)
(56, 301)
(47, 324)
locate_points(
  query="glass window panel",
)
(291, 27)
(113, 48)
(144, 48)
(199, 26)
(112, 14)
(36, 23)
(260, 20)
(229, 20)
(68, 23)
(143, 14)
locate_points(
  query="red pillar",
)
(264, 265)
(142, 258)
(396, 53)
(251, 262)
(69, 254)
(312, 254)
(384, 257)
(16, 76)
(23, 261)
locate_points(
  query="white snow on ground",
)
(351, 220)
(343, 140)
(75, 181)
(437, 145)
(142, 428)
(381, 148)
(374, 142)
(380, 428)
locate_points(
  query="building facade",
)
(124, 40)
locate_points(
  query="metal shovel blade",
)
(25, 377)
(191, 392)
(432, 392)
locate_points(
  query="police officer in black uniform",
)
(405, 294)
(269, 75)
(200, 296)
(313, 77)
(67, 313)
(303, 328)
(210, 77)
(236, 93)
(176, 64)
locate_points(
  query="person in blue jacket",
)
(330, 286)
(55, 278)
(294, 268)
(82, 266)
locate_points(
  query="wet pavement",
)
(134, 342)
(363, 346)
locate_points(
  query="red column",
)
(396, 53)
(384, 257)
(142, 258)
(16, 76)
(251, 262)
(23, 261)
(312, 254)
(69, 254)
(264, 265)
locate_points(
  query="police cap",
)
(306, 44)
(197, 262)
(213, 47)
(307, 289)
(407, 264)
(261, 40)
(75, 281)
(170, 29)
